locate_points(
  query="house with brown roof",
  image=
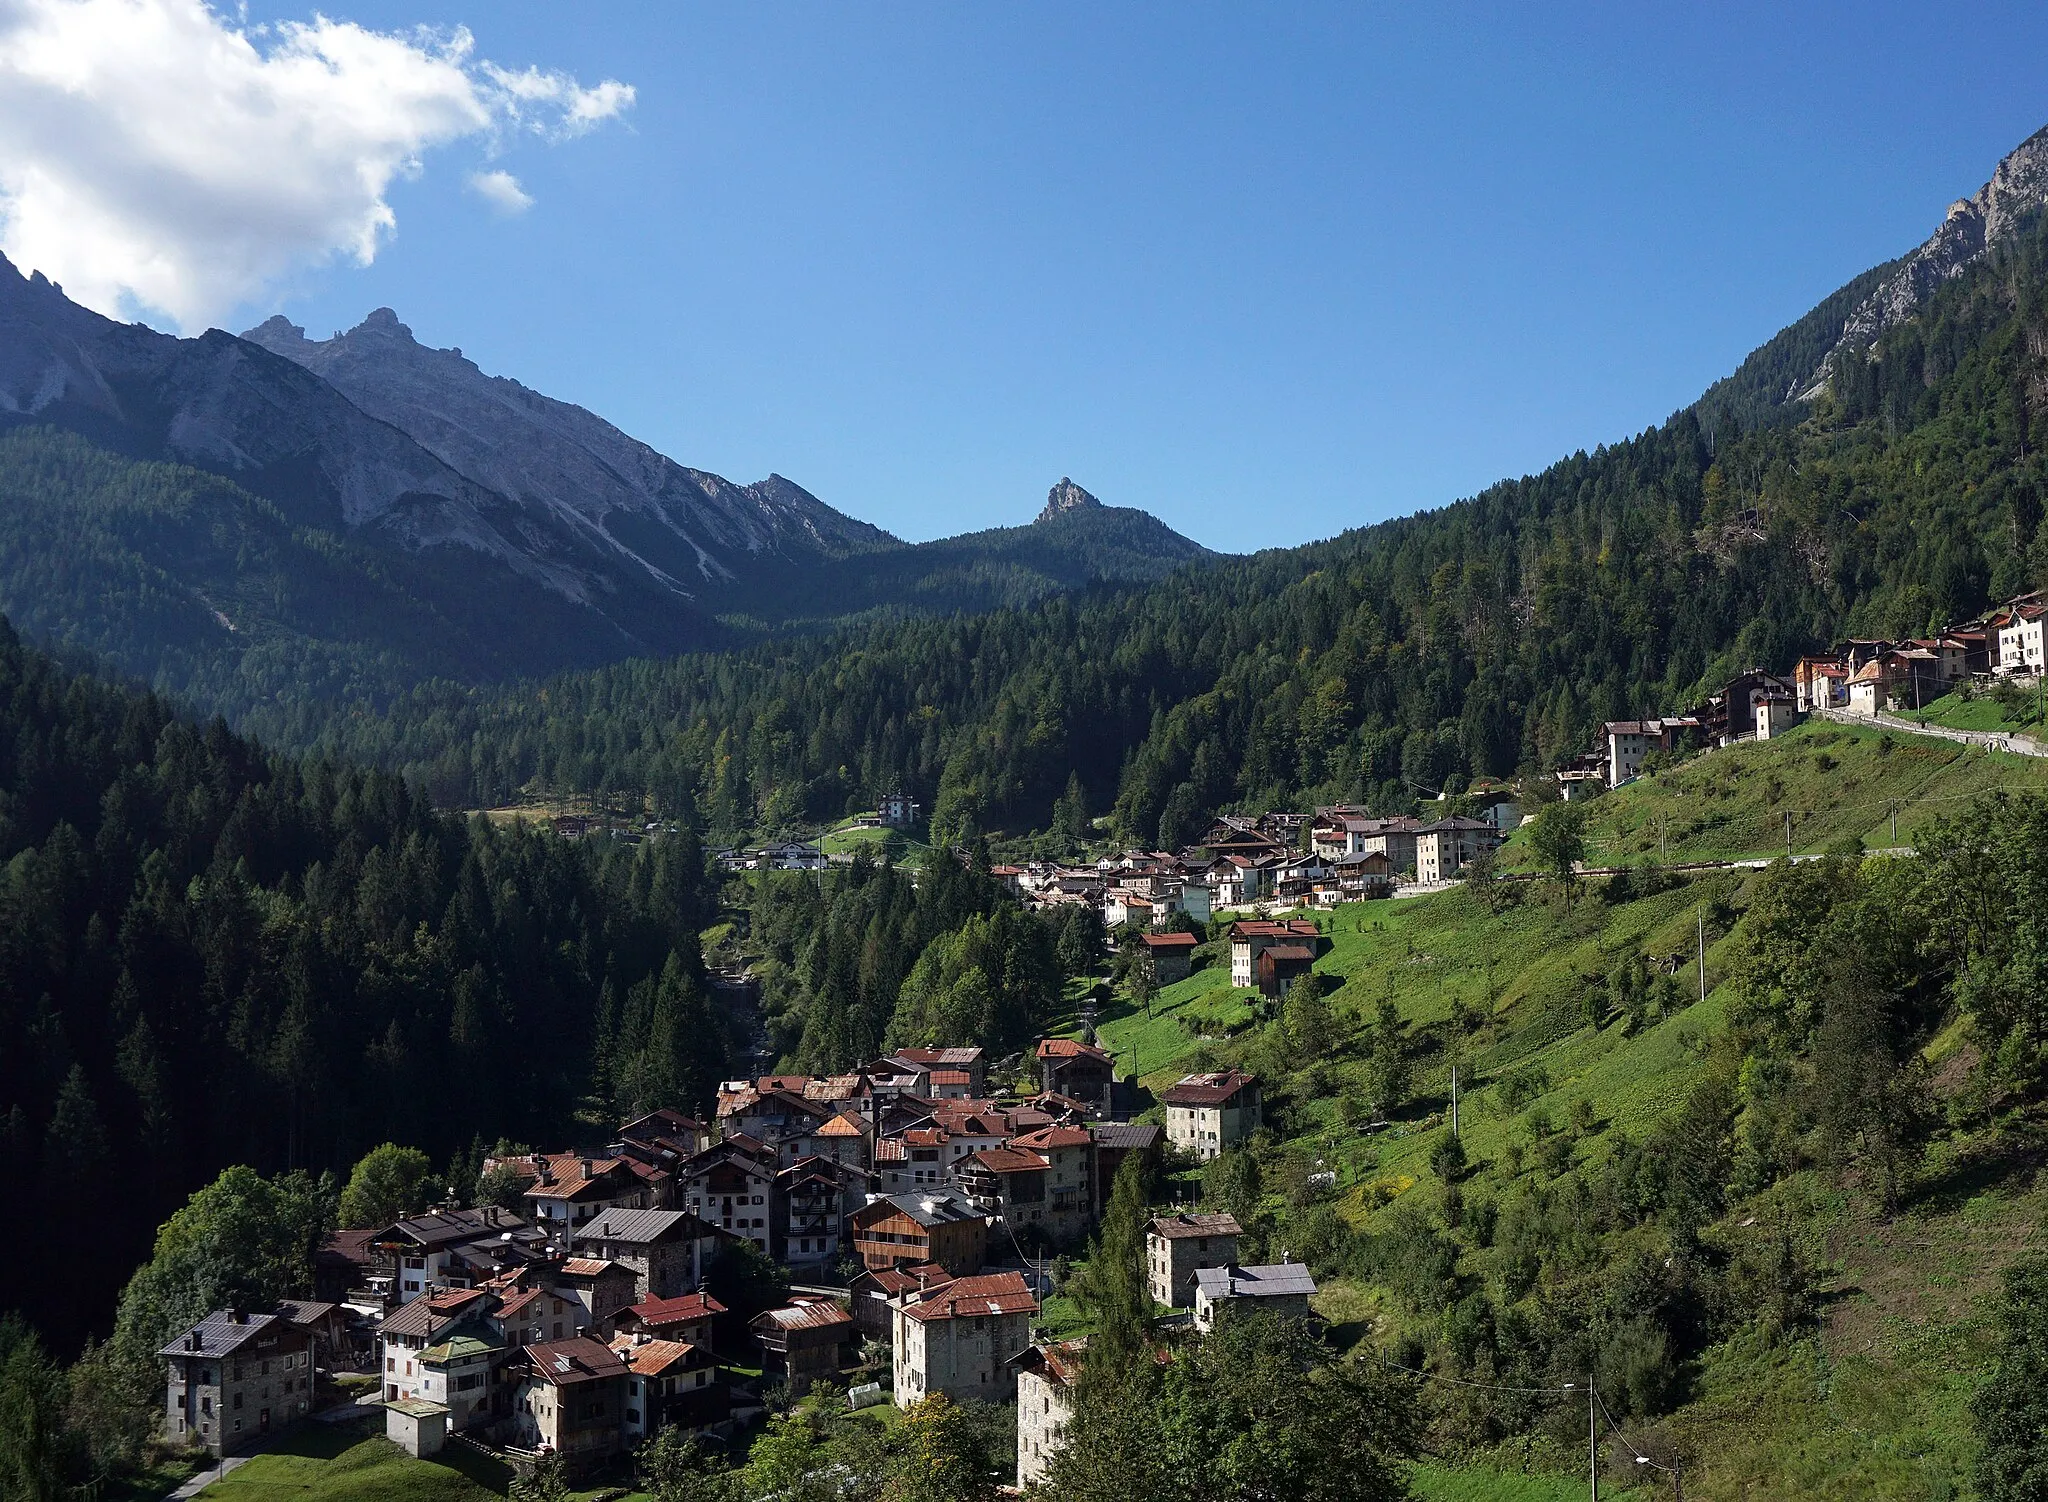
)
(1209, 1113)
(1279, 966)
(813, 1199)
(1047, 1375)
(961, 1337)
(424, 1249)
(1067, 1066)
(1115, 1141)
(1172, 956)
(972, 1062)
(1249, 937)
(669, 1384)
(871, 1294)
(1444, 847)
(569, 1396)
(1069, 1154)
(1177, 1246)
(568, 1190)
(808, 1341)
(1009, 1182)
(601, 1286)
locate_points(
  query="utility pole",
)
(1700, 915)
(1592, 1439)
(1788, 834)
(1454, 1101)
(1895, 823)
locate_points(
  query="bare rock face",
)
(1973, 225)
(1064, 497)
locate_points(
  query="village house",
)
(1282, 1288)
(1630, 742)
(436, 1319)
(1009, 1182)
(732, 1185)
(667, 1131)
(961, 1338)
(1443, 848)
(236, 1378)
(687, 1318)
(1069, 1153)
(807, 1342)
(1178, 1246)
(522, 1316)
(813, 1199)
(896, 811)
(455, 1375)
(1171, 956)
(941, 1226)
(669, 1384)
(570, 1397)
(1046, 1377)
(1249, 937)
(1209, 1113)
(666, 1250)
(1279, 966)
(426, 1249)
(568, 1190)
(924, 1062)
(2020, 644)
(1069, 1067)
(871, 1294)
(601, 1287)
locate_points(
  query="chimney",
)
(238, 1315)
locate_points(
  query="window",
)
(238, 1404)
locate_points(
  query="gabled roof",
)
(221, 1333)
(964, 1298)
(1070, 1048)
(939, 1058)
(1007, 1160)
(447, 1227)
(933, 1207)
(643, 1226)
(684, 1309)
(1275, 1280)
(566, 1363)
(1127, 1135)
(1281, 953)
(1169, 941)
(1207, 1089)
(657, 1358)
(1046, 1138)
(821, 1314)
(1184, 1225)
(431, 1313)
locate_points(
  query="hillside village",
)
(577, 1318)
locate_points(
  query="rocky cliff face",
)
(1064, 497)
(2018, 189)
(567, 467)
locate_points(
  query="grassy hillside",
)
(1566, 1082)
(1836, 782)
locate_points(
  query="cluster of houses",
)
(579, 1320)
(1861, 676)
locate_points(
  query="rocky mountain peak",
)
(1064, 497)
(2017, 190)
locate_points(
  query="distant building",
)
(941, 1226)
(1248, 938)
(896, 811)
(667, 1250)
(1172, 956)
(1209, 1113)
(1069, 1067)
(1283, 1288)
(805, 1343)
(961, 1337)
(1444, 848)
(1178, 1246)
(570, 1397)
(1046, 1375)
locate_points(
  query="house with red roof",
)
(961, 1337)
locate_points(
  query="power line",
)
(1637, 1455)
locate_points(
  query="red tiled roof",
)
(822, 1314)
(683, 1309)
(988, 1293)
(1053, 1136)
(652, 1358)
(1008, 1160)
(1169, 941)
(1069, 1048)
(1288, 952)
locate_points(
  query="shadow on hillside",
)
(2011, 1156)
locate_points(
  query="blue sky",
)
(1267, 272)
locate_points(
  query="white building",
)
(2020, 645)
(1178, 1246)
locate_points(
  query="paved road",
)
(206, 1478)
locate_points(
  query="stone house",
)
(1178, 1246)
(1172, 956)
(570, 1396)
(666, 1250)
(1046, 1375)
(961, 1338)
(1283, 1288)
(235, 1378)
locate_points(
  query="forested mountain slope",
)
(1486, 637)
(213, 955)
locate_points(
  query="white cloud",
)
(502, 191)
(157, 156)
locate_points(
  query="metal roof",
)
(1271, 1281)
(639, 1225)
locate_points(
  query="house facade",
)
(1046, 1375)
(666, 1250)
(235, 1378)
(1179, 1246)
(1207, 1114)
(1282, 1288)
(962, 1337)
